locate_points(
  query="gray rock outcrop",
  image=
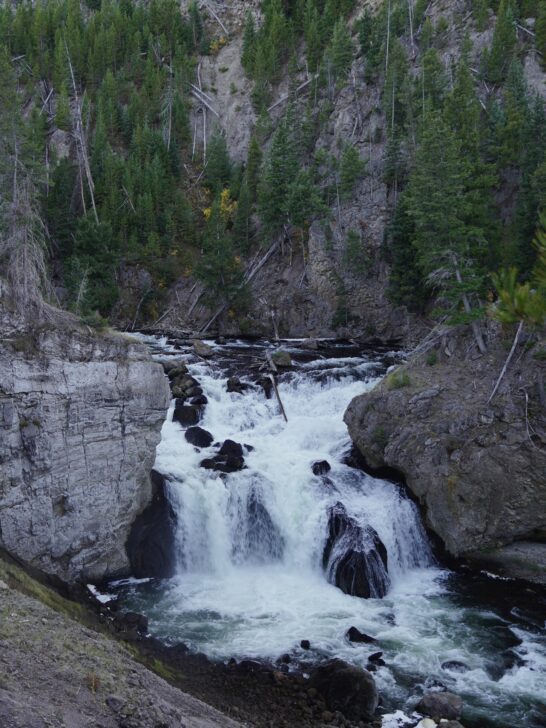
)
(478, 468)
(80, 418)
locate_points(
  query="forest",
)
(465, 174)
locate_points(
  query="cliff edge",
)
(478, 468)
(80, 418)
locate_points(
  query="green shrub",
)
(397, 379)
(380, 437)
(432, 358)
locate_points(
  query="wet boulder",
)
(281, 358)
(223, 463)
(321, 467)
(131, 624)
(354, 557)
(235, 385)
(305, 645)
(355, 635)
(267, 385)
(455, 666)
(232, 448)
(186, 415)
(198, 436)
(346, 688)
(175, 370)
(202, 349)
(151, 543)
(199, 401)
(194, 392)
(441, 705)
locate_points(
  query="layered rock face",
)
(80, 418)
(478, 468)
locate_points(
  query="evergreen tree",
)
(340, 51)
(448, 247)
(218, 169)
(248, 57)
(253, 164)
(62, 112)
(351, 168)
(540, 30)
(503, 45)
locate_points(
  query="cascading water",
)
(259, 551)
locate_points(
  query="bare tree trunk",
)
(507, 362)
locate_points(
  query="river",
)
(251, 581)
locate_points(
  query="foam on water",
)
(250, 581)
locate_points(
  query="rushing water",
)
(251, 583)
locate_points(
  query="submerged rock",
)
(354, 557)
(150, 546)
(281, 358)
(355, 635)
(234, 384)
(223, 463)
(186, 415)
(346, 688)
(202, 349)
(198, 436)
(441, 705)
(267, 385)
(230, 447)
(305, 645)
(321, 467)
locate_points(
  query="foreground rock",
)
(57, 672)
(80, 418)
(472, 464)
(441, 705)
(202, 349)
(520, 560)
(346, 688)
(355, 559)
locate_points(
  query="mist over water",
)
(250, 579)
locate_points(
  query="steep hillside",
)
(284, 166)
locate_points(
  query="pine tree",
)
(248, 57)
(351, 168)
(62, 111)
(497, 61)
(253, 164)
(340, 51)
(242, 222)
(448, 248)
(540, 31)
(218, 170)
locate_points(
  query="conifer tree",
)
(248, 57)
(497, 61)
(253, 164)
(351, 168)
(448, 247)
(340, 51)
(540, 30)
(62, 112)
(218, 170)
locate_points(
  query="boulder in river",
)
(235, 385)
(355, 635)
(441, 705)
(199, 401)
(198, 436)
(455, 666)
(281, 358)
(267, 385)
(131, 624)
(186, 415)
(176, 370)
(346, 688)
(223, 463)
(321, 467)
(305, 645)
(230, 447)
(354, 556)
(202, 349)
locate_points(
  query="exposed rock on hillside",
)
(478, 468)
(80, 417)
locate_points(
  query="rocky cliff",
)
(477, 467)
(80, 417)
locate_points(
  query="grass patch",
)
(397, 379)
(380, 437)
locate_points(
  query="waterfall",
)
(276, 510)
(282, 551)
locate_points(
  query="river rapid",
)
(251, 582)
